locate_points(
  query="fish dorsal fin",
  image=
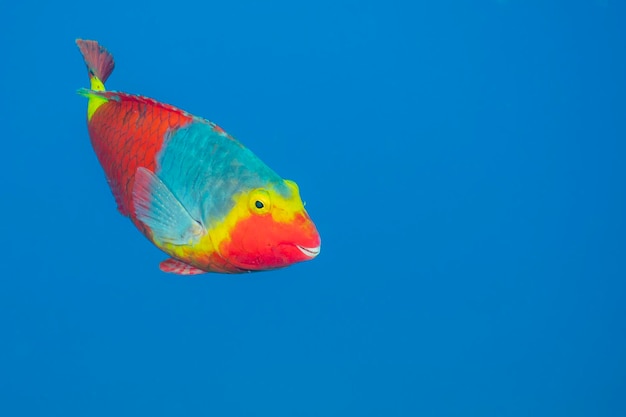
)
(156, 207)
(174, 266)
(119, 96)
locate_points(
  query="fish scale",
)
(127, 132)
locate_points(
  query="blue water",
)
(464, 164)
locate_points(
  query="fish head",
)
(271, 229)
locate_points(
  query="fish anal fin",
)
(117, 194)
(174, 266)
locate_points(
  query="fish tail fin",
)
(100, 63)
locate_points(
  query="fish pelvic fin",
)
(100, 65)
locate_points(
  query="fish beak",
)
(309, 252)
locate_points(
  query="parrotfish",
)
(191, 188)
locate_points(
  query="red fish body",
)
(189, 187)
(127, 133)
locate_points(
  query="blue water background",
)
(464, 163)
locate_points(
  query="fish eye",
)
(259, 201)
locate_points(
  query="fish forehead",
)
(205, 169)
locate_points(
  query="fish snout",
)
(308, 242)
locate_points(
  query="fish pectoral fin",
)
(162, 212)
(174, 266)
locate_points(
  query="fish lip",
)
(309, 252)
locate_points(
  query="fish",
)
(189, 187)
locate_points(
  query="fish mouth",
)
(310, 252)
